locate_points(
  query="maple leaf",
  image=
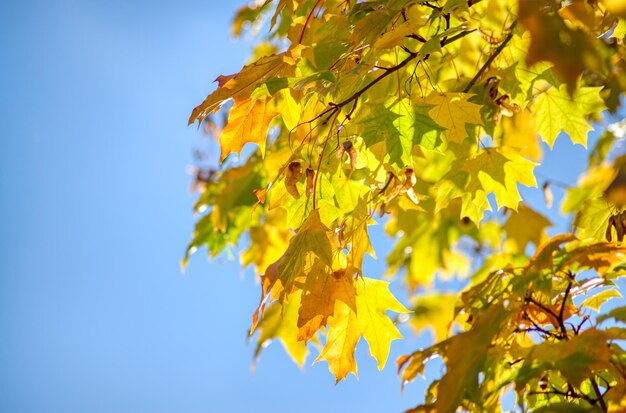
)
(415, 126)
(373, 300)
(394, 37)
(558, 111)
(543, 257)
(498, 171)
(596, 301)
(247, 122)
(368, 125)
(358, 237)
(346, 327)
(525, 226)
(379, 128)
(239, 86)
(616, 7)
(279, 321)
(465, 355)
(322, 288)
(434, 311)
(552, 40)
(592, 219)
(453, 111)
(343, 336)
(309, 243)
(598, 256)
(519, 131)
(575, 358)
(274, 239)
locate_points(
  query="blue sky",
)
(95, 315)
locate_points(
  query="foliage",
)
(427, 116)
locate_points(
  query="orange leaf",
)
(239, 86)
(247, 122)
(553, 41)
(320, 291)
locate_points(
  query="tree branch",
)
(552, 313)
(563, 303)
(388, 71)
(491, 58)
(600, 398)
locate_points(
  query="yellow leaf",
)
(519, 132)
(499, 171)
(616, 7)
(576, 359)
(358, 237)
(434, 311)
(596, 301)
(465, 357)
(289, 109)
(247, 122)
(273, 236)
(525, 226)
(601, 256)
(343, 336)
(557, 111)
(593, 219)
(453, 112)
(543, 255)
(394, 37)
(373, 300)
(370, 320)
(279, 321)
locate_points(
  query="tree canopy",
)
(427, 117)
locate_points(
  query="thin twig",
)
(600, 399)
(552, 313)
(491, 58)
(562, 310)
(306, 23)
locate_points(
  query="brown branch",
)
(491, 58)
(306, 23)
(417, 37)
(563, 303)
(552, 313)
(335, 108)
(571, 393)
(600, 398)
(388, 71)
(427, 4)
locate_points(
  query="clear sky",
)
(95, 315)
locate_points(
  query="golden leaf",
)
(247, 123)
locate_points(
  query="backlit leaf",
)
(557, 111)
(453, 111)
(248, 122)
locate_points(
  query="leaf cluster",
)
(427, 116)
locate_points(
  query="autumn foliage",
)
(426, 117)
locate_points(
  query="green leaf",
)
(556, 111)
(618, 314)
(465, 358)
